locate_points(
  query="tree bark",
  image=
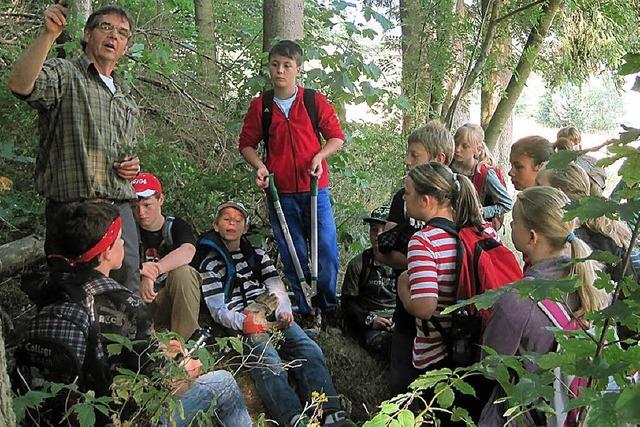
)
(283, 19)
(521, 73)
(20, 253)
(84, 9)
(484, 43)
(497, 80)
(7, 417)
(415, 74)
(206, 26)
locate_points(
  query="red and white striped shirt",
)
(432, 274)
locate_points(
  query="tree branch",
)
(518, 10)
(473, 71)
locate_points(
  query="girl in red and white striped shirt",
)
(433, 191)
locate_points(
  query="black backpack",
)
(61, 345)
(309, 99)
(211, 241)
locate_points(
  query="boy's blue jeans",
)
(297, 211)
(217, 388)
(272, 381)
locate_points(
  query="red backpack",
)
(482, 263)
(478, 179)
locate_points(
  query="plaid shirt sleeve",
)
(50, 84)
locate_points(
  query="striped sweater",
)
(246, 288)
(432, 274)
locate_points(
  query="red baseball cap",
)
(146, 185)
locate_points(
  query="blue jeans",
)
(297, 211)
(219, 390)
(272, 381)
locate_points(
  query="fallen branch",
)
(20, 253)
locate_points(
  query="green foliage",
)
(150, 392)
(590, 108)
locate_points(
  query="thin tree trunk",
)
(521, 74)
(415, 84)
(484, 43)
(283, 19)
(496, 82)
(204, 15)
(7, 417)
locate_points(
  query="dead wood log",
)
(20, 253)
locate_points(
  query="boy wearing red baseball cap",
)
(167, 245)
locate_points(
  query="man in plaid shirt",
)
(86, 119)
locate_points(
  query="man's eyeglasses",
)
(123, 33)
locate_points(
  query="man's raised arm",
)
(28, 66)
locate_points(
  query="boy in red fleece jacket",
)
(294, 155)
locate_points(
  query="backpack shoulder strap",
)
(211, 241)
(167, 237)
(367, 265)
(267, 113)
(557, 313)
(479, 177)
(309, 98)
(445, 224)
(251, 257)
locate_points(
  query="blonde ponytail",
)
(542, 209)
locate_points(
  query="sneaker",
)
(338, 419)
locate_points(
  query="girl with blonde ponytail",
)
(548, 242)
(432, 191)
(602, 233)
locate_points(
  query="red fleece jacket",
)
(292, 141)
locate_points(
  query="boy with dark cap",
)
(368, 292)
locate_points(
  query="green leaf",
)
(461, 414)
(627, 406)
(114, 349)
(32, 399)
(561, 159)
(590, 207)
(86, 414)
(236, 344)
(406, 418)
(389, 408)
(380, 420)
(632, 64)
(124, 341)
(464, 388)
(446, 397)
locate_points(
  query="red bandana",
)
(105, 242)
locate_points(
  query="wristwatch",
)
(368, 321)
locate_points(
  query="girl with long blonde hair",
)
(518, 326)
(473, 159)
(602, 233)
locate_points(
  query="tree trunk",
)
(283, 19)
(20, 253)
(84, 9)
(7, 417)
(496, 82)
(206, 26)
(484, 45)
(521, 74)
(415, 84)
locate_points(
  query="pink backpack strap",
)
(558, 315)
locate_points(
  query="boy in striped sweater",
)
(230, 310)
